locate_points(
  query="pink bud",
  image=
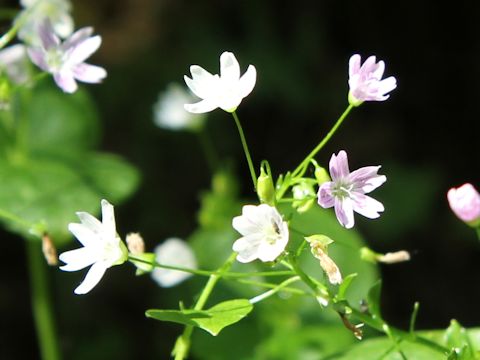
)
(465, 203)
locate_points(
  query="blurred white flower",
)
(102, 247)
(66, 60)
(173, 252)
(37, 11)
(225, 91)
(169, 112)
(265, 234)
(14, 62)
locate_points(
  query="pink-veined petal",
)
(93, 277)
(367, 206)
(89, 73)
(84, 50)
(344, 212)
(65, 81)
(325, 197)
(38, 58)
(339, 166)
(354, 65)
(77, 37)
(47, 36)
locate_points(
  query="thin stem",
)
(182, 345)
(322, 143)
(41, 303)
(225, 274)
(273, 291)
(271, 286)
(245, 150)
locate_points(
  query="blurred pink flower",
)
(65, 60)
(346, 192)
(365, 81)
(465, 203)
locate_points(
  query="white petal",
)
(84, 234)
(229, 67)
(247, 81)
(247, 248)
(84, 49)
(77, 259)
(63, 24)
(93, 277)
(89, 73)
(203, 84)
(108, 219)
(90, 222)
(269, 252)
(378, 72)
(201, 107)
(387, 85)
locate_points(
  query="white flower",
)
(34, 14)
(169, 112)
(102, 249)
(225, 91)
(66, 60)
(265, 234)
(173, 252)
(14, 61)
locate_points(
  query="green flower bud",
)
(146, 265)
(321, 175)
(304, 195)
(265, 188)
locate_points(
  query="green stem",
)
(301, 168)
(182, 345)
(41, 303)
(273, 291)
(271, 286)
(225, 274)
(245, 150)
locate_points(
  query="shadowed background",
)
(425, 137)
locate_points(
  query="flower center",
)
(342, 190)
(272, 233)
(54, 58)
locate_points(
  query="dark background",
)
(425, 136)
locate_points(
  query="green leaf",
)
(60, 123)
(212, 320)
(373, 300)
(456, 338)
(342, 289)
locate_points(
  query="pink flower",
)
(65, 61)
(365, 81)
(346, 192)
(465, 203)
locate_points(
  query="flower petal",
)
(367, 206)
(325, 196)
(247, 248)
(47, 36)
(367, 179)
(93, 277)
(387, 85)
(77, 259)
(108, 220)
(90, 222)
(84, 234)
(229, 68)
(339, 166)
(202, 82)
(89, 73)
(84, 49)
(38, 58)
(354, 65)
(247, 81)
(77, 37)
(201, 107)
(65, 81)
(344, 212)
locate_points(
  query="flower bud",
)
(465, 203)
(369, 255)
(304, 195)
(318, 246)
(135, 243)
(265, 188)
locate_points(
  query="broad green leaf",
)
(58, 122)
(212, 320)
(457, 339)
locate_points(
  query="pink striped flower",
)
(66, 60)
(346, 192)
(365, 81)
